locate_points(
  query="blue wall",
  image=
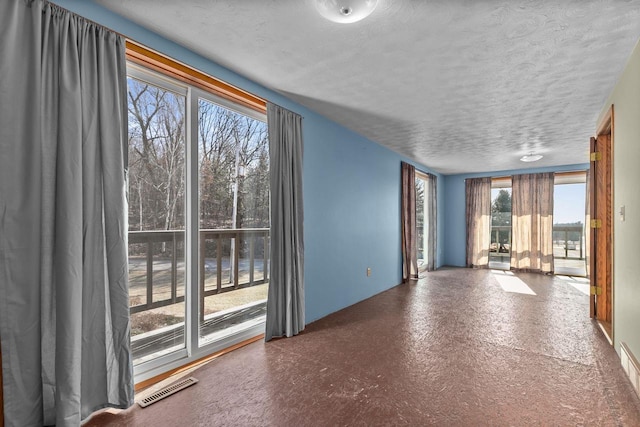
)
(454, 209)
(351, 189)
(352, 218)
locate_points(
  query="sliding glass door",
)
(569, 245)
(157, 126)
(500, 248)
(422, 222)
(198, 221)
(234, 219)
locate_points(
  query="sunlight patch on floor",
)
(581, 284)
(510, 283)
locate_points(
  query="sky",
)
(568, 203)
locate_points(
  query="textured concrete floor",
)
(462, 347)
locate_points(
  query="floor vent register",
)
(167, 391)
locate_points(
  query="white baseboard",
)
(631, 366)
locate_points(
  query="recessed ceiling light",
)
(531, 157)
(345, 11)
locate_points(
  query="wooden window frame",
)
(141, 55)
(501, 182)
(572, 177)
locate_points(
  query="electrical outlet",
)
(368, 271)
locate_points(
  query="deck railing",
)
(244, 245)
(561, 237)
(500, 248)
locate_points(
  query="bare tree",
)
(233, 163)
(156, 153)
(215, 128)
(230, 146)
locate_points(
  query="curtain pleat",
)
(409, 230)
(532, 222)
(478, 214)
(64, 302)
(431, 211)
(285, 302)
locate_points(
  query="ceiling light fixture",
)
(531, 157)
(345, 11)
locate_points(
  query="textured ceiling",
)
(458, 85)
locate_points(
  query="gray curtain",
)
(64, 306)
(532, 222)
(285, 302)
(408, 218)
(431, 211)
(478, 214)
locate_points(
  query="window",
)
(569, 246)
(233, 182)
(198, 215)
(157, 138)
(500, 249)
(422, 220)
